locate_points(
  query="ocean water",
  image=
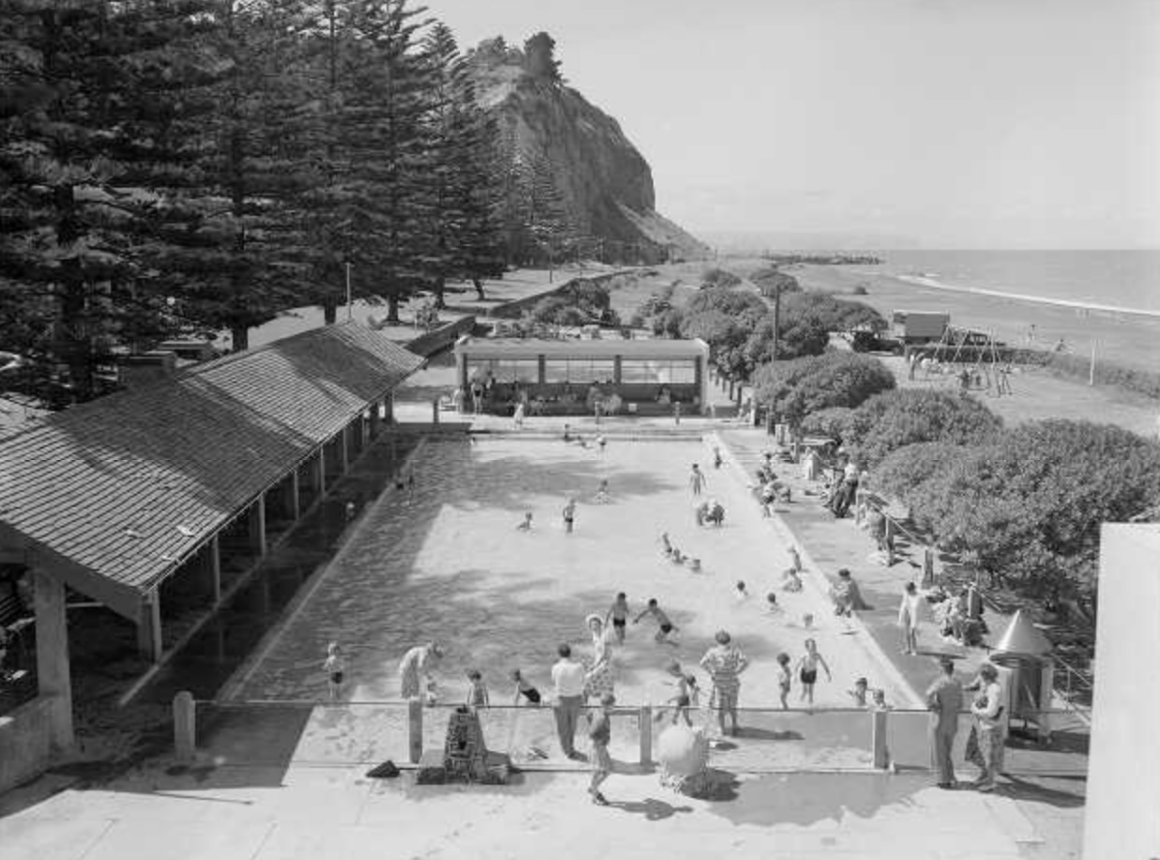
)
(1120, 280)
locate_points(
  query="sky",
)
(903, 123)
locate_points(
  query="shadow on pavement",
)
(651, 808)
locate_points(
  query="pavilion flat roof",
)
(114, 494)
(487, 347)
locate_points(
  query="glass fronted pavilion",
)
(570, 377)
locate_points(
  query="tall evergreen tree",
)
(370, 141)
(83, 151)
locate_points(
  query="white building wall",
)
(1122, 817)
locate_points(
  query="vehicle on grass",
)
(919, 327)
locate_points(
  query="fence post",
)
(878, 740)
(645, 735)
(415, 729)
(185, 725)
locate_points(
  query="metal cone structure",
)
(1023, 637)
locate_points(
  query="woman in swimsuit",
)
(807, 666)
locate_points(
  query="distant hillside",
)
(605, 184)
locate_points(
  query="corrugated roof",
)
(127, 486)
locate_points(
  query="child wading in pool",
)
(618, 616)
(525, 689)
(807, 666)
(784, 679)
(335, 669)
(569, 514)
(666, 625)
(697, 480)
(858, 694)
(602, 497)
(477, 692)
(688, 694)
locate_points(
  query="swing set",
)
(985, 373)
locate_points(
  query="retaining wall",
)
(441, 337)
(514, 309)
(25, 750)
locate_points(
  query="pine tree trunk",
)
(240, 337)
(440, 283)
(393, 309)
(329, 311)
(73, 344)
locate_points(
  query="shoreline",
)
(934, 284)
(1131, 340)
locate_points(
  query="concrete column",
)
(149, 641)
(415, 729)
(389, 408)
(878, 740)
(294, 506)
(211, 569)
(376, 422)
(184, 726)
(319, 469)
(258, 525)
(435, 411)
(52, 657)
(344, 449)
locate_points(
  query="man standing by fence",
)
(945, 700)
(568, 679)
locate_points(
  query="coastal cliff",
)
(603, 186)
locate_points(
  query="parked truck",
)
(919, 327)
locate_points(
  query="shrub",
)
(795, 389)
(1028, 503)
(832, 423)
(834, 313)
(771, 281)
(717, 277)
(891, 420)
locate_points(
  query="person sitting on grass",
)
(526, 525)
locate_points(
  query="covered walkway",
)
(153, 492)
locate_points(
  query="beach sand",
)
(1126, 339)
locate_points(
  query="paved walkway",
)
(167, 812)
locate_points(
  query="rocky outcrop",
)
(605, 183)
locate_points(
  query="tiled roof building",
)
(115, 494)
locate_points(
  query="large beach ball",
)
(682, 752)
